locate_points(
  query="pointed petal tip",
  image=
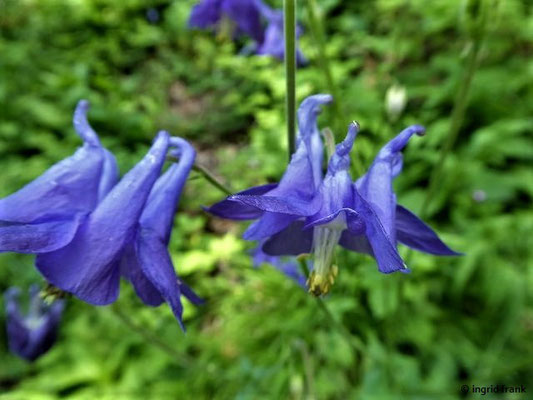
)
(81, 124)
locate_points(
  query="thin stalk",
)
(208, 176)
(212, 179)
(150, 337)
(319, 35)
(289, 23)
(457, 118)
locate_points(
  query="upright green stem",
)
(457, 118)
(289, 16)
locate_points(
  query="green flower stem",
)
(289, 17)
(150, 337)
(212, 179)
(319, 35)
(208, 176)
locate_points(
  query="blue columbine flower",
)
(248, 16)
(45, 214)
(273, 43)
(146, 262)
(299, 184)
(311, 214)
(31, 335)
(244, 13)
(89, 229)
(89, 265)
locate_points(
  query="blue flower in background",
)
(247, 16)
(146, 261)
(307, 213)
(45, 214)
(31, 335)
(244, 13)
(273, 43)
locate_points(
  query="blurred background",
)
(452, 321)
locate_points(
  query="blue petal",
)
(205, 14)
(246, 16)
(335, 193)
(157, 267)
(376, 185)
(358, 243)
(237, 211)
(309, 133)
(64, 190)
(282, 205)
(82, 126)
(384, 250)
(131, 269)
(159, 212)
(109, 176)
(38, 238)
(268, 225)
(293, 240)
(89, 266)
(413, 232)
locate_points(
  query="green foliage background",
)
(452, 321)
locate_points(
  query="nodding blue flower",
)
(248, 16)
(45, 214)
(307, 213)
(88, 229)
(31, 335)
(146, 262)
(244, 13)
(89, 265)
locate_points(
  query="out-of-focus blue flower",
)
(248, 16)
(45, 214)
(31, 335)
(289, 268)
(244, 13)
(306, 213)
(273, 43)
(146, 261)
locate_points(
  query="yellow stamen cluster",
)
(319, 284)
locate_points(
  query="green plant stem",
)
(150, 337)
(319, 35)
(457, 118)
(212, 179)
(289, 23)
(208, 176)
